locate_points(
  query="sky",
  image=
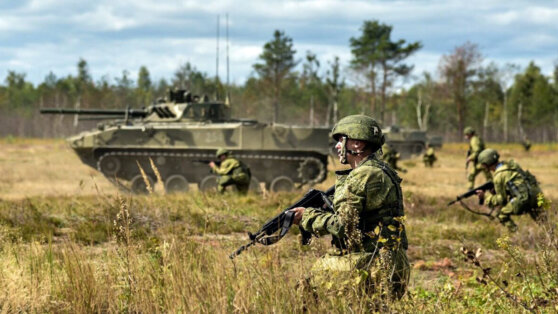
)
(42, 36)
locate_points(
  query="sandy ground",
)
(48, 167)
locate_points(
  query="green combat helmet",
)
(488, 157)
(468, 131)
(222, 151)
(359, 127)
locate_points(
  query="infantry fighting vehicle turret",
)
(178, 132)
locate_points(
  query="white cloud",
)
(51, 35)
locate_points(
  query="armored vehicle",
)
(409, 142)
(179, 133)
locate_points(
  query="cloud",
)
(39, 36)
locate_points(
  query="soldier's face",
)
(345, 144)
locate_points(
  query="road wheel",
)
(138, 186)
(176, 183)
(281, 184)
(311, 171)
(110, 165)
(208, 184)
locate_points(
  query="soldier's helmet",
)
(488, 157)
(469, 131)
(359, 127)
(222, 151)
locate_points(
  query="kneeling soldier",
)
(231, 171)
(368, 234)
(516, 191)
(429, 156)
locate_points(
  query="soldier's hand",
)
(298, 214)
(211, 164)
(480, 194)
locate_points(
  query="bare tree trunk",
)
(328, 114)
(312, 110)
(485, 122)
(76, 117)
(383, 94)
(519, 125)
(335, 112)
(419, 110)
(373, 96)
(422, 119)
(505, 118)
(426, 115)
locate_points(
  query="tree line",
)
(502, 102)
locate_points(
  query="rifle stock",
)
(284, 221)
(486, 186)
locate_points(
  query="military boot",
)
(508, 222)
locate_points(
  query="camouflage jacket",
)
(429, 154)
(476, 146)
(368, 210)
(230, 166)
(513, 183)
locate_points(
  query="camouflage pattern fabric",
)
(366, 227)
(429, 157)
(515, 193)
(233, 172)
(476, 146)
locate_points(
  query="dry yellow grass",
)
(77, 251)
(45, 167)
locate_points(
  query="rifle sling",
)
(287, 223)
(474, 211)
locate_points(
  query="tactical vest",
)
(528, 178)
(481, 146)
(388, 215)
(241, 173)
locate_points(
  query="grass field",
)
(70, 242)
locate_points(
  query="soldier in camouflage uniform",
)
(516, 191)
(526, 144)
(231, 171)
(429, 156)
(391, 157)
(476, 145)
(367, 223)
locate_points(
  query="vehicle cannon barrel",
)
(132, 113)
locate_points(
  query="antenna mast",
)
(217, 55)
(227, 17)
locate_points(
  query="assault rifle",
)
(487, 186)
(284, 221)
(207, 161)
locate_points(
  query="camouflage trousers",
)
(473, 172)
(428, 162)
(521, 206)
(385, 273)
(241, 183)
